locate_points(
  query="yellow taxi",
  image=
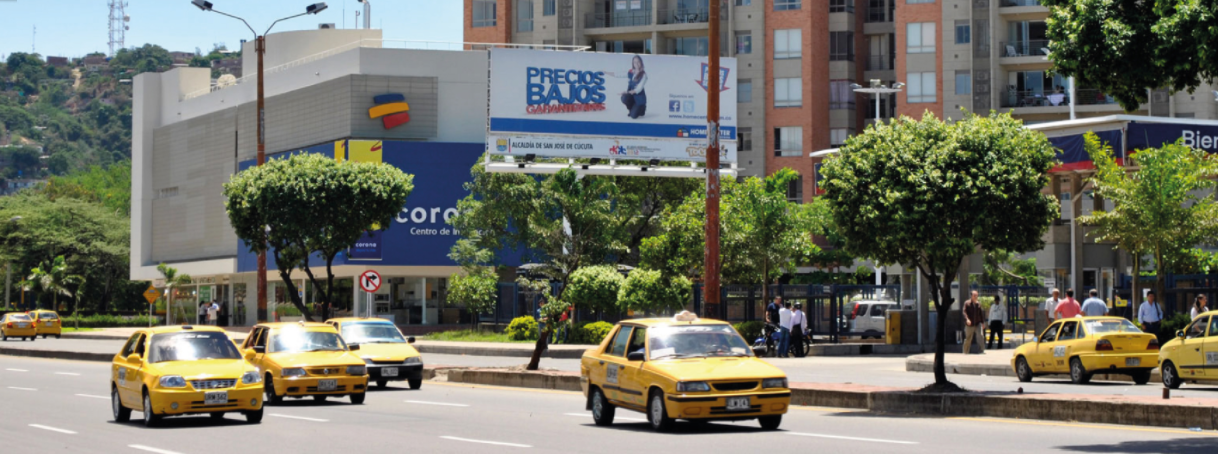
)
(306, 359)
(1083, 346)
(18, 324)
(681, 368)
(183, 370)
(1193, 354)
(388, 355)
(47, 323)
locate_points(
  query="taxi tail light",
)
(1153, 345)
(10, 324)
(1103, 345)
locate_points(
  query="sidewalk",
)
(994, 363)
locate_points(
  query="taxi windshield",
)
(1111, 326)
(20, 317)
(188, 346)
(296, 341)
(47, 315)
(694, 341)
(372, 333)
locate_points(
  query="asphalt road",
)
(863, 370)
(54, 405)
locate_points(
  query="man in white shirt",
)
(1093, 306)
(784, 327)
(213, 311)
(1050, 304)
(1150, 314)
(799, 327)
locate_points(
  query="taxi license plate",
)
(389, 372)
(1131, 362)
(48, 323)
(215, 398)
(327, 385)
(22, 325)
(737, 403)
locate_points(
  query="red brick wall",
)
(919, 12)
(500, 33)
(813, 115)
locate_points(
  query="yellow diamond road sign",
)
(151, 294)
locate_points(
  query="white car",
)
(867, 318)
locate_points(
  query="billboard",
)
(596, 104)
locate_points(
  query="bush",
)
(594, 287)
(1167, 329)
(750, 330)
(522, 328)
(589, 332)
(287, 310)
(648, 291)
(108, 321)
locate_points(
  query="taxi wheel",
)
(358, 399)
(1078, 373)
(415, 383)
(381, 383)
(657, 415)
(770, 422)
(270, 391)
(1023, 370)
(254, 417)
(1141, 377)
(121, 413)
(151, 419)
(57, 336)
(216, 416)
(1171, 377)
(602, 410)
(319, 398)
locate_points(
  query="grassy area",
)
(467, 335)
(69, 329)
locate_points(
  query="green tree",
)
(173, 281)
(309, 203)
(1004, 268)
(109, 186)
(649, 291)
(1156, 210)
(53, 277)
(929, 193)
(595, 287)
(479, 291)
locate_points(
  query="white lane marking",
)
(52, 429)
(16, 370)
(496, 443)
(622, 418)
(151, 449)
(423, 402)
(74, 374)
(838, 437)
(22, 389)
(299, 417)
(94, 397)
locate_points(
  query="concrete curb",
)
(1003, 370)
(553, 353)
(57, 354)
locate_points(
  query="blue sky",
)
(73, 28)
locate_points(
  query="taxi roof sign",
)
(685, 316)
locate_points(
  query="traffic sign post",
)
(369, 282)
(151, 295)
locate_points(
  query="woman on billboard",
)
(634, 97)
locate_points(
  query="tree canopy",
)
(595, 288)
(928, 193)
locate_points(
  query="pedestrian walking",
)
(1050, 304)
(1093, 306)
(784, 329)
(1198, 307)
(973, 317)
(1150, 314)
(213, 313)
(998, 321)
(799, 326)
(1069, 307)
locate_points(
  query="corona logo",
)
(391, 108)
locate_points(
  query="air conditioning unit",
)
(325, 26)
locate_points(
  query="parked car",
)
(866, 318)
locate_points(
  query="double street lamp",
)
(877, 89)
(260, 50)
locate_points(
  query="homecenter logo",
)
(391, 108)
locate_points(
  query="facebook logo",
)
(674, 106)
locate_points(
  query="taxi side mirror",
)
(1180, 333)
(636, 356)
(259, 349)
(410, 340)
(353, 347)
(248, 354)
(134, 359)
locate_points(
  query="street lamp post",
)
(260, 50)
(877, 89)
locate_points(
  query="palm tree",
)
(54, 278)
(173, 280)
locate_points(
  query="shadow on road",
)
(1197, 445)
(683, 428)
(187, 422)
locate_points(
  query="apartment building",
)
(796, 59)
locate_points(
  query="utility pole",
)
(710, 292)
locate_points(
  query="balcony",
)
(1038, 98)
(1026, 48)
(877, 15)
(610, 20)
(879, 63)
(1015, 3)
(689, 15)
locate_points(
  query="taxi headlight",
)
(692, 387)
(357, 370)
(173, 381)
(414, 360)
(251, 378)
(774, 383)
(293, 372)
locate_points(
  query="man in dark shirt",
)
(771, 310)
(974, 319)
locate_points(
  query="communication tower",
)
(118, 25)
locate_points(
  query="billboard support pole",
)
(711, 273)
(260, 49)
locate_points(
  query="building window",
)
(548, 7)
(788, 92)
(524, 16)
(964, 82)
(484, 13)
(837, 137)
(841, 46)
(789, 141)
(786, 5)
(744, 2)
(921, 87)
(840, 95)
(744, 42)
(920, 38)
(788, 43)
(795, 190)
(962, 32)
(919, 1)
(841, 6)
(697, 46)
(744, 91)
(744, 138)
(628, 47)
(876, 11)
